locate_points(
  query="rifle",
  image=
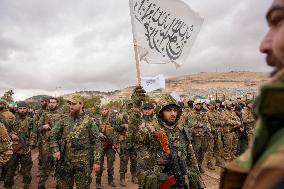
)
(22, 140)
(109, 142)
(59, 170)
(173, 164)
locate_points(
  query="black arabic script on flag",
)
(165, 33)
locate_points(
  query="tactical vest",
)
(77, 138)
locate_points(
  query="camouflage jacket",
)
(230, 120)
(25, 129)
(79, 138)
(214, 118)
(109, 126)
(9, 116)
(47, 117)
(249, 120)
(6, 149)
(261, 166)
(199, 122)
(176, 139)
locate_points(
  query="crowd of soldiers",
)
(161, 139)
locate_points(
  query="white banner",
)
(153, 83)
(164, 30)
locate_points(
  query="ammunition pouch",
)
(79, 146)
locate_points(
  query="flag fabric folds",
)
(164, 30)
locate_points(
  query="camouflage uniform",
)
(45, 154)
(7, 118)
(108, 126)
(215, 144)
(157, 157)
(249, 122)
(128, 150)
(25, 129)
(261, 166)
(140, 131)
(230, 120)
(6, 149)
(38, 116)
(77, 139)
(198, 122)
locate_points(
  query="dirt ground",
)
(211, 178)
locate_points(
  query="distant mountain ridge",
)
(231, 84)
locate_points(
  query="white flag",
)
(164, 30)
(153, 83)
(175, 96)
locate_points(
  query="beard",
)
(272, 61)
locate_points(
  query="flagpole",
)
(137, 62)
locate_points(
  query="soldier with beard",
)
(23, 135)
(166, 147)
(215, 143)
(128, 150)
(45, 124)
(231, 121)
(261, 166)
(109, 123)
(76, 146)
(200, 132)
(139, 127)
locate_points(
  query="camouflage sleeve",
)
(33, 133)
(6, 150)
(248, 118)
(96, 142)
(56, 132)
(134, 122)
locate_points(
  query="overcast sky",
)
(60, 46)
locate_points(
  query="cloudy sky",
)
(60, 46)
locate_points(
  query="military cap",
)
(105, 106)
(75, 99)
(148, 105)
(22, 104)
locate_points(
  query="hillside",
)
(230, 84)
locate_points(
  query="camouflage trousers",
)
(200, 144)
(227, 137)
(110, 155)
(127, 153)
(235, 145)
(194, 176)
(25, 160)
(74, 172)
(214, 148)
(46, 163)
